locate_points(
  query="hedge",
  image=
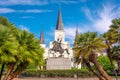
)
(57, 73)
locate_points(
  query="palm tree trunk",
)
(2, 69)
(16, 72)
(114, 72)
(91, 69)
(10, 68)
(14, 75)
(99, 67)
(118, 64)
(110, 58)
(22, 66)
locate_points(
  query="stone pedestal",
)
(58, 63)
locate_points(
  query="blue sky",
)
(34, 15)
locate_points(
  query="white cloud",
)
(6, 10)
(69, 1)
(35, 11)
(31, 11)
(106, 16)
(22, 2)
(65, 1)
(37, 2)
(70, 31)
(101, 18)
(88, 14)
(9, 10)
(22, 27)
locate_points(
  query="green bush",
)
(105, 63)
(57, 73)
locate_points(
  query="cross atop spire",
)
(59, 25)
(42, 37)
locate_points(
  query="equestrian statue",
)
(57, 48)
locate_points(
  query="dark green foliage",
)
(105, 63)
(57, 73)
(116, 52)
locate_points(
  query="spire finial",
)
(59, 25)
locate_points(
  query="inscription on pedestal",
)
(58, 63)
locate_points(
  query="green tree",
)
(116, 56)
(8, 47)
(18, 49)
(29, 51)
(116, 27)
(4, 22)
(111, 37)
(116, 49)
(88, 45)
(9, 26)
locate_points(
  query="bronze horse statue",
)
(58, 48)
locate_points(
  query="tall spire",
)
(42, 37)
(76, 35)
(59, 25)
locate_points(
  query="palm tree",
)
(88, 45)
(116, 27)
(20, 49)
(4, 22)
(8, 46)
(27, 49)
(116, 56)
(111, 37)
(29, 52)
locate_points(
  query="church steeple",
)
(76, 35)
(59, 25)
(42, 38)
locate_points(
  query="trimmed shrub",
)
(57, 73)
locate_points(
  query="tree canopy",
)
(18, 49)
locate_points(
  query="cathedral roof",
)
(42, 38)
(59, 25)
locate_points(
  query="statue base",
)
(59, 63)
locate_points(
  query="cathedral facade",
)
(59, 47)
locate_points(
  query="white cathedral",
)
(59, 35)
